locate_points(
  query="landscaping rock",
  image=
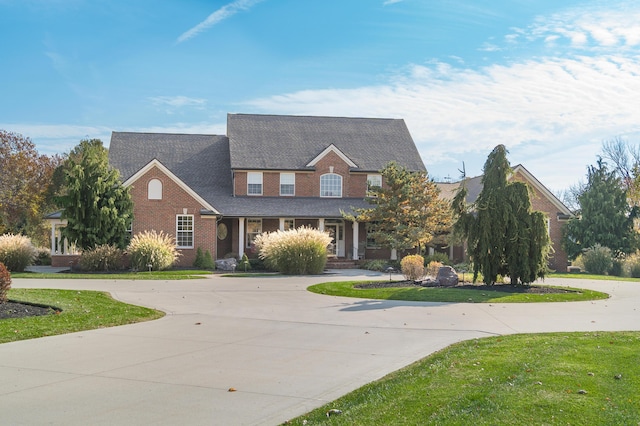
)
(447, 277)
(226, 264)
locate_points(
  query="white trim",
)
(331, 148)
(155, 163)
(192, 231)
(255, 175)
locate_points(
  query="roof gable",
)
(331, 148)
(542, 189)
(284, 142)
(157, 164)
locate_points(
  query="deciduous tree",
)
(98, 209)
(407, 209)
(504, 235)
(25, 182)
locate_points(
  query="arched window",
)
(331, 185)
(154, 189)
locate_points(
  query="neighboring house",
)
(270, 172)
(541, 200)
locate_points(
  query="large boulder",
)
(229, 264)
(447, 277)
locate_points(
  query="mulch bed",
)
(22, 310)
(507, 288)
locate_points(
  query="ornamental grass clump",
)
(5, 282)
(152, 250)
(16, 252)
(598, 259)
(105, 257)
(295, 251)
(412, 267)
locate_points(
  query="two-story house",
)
(269, 172)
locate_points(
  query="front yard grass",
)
(172, 274)
(453, 295)
(80, 310)
(528, 379)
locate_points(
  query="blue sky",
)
(551, 80)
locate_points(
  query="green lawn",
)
(529, 379)
(585, 276)
(80, 310)
(454, 295)
(177, 274)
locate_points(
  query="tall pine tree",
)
(504, 236)
(605, 217)
(98, 209)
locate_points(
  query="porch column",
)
(394, 254)
(282, 223)
(321, 224)
(431, 251)
(355, 227)
(53, 238)
(240, 237)
(450, 251)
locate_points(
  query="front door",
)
(336, 232)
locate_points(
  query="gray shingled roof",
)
(281, 142)
(202, 163)
(474, 186)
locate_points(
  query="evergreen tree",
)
(605, 217)
(504, 235)
(407, 209)
(98, 209)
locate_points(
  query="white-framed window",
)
(254, 228)
(289, 224)
(254, 183)
(184, 231)
(287, 183)
(372, 182)
(154, 189)
(331, 185)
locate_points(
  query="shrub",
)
(375, 265)
(244, 263)
(101, 258)
(437, 257)
(16, 252)
(257, 264)
(152, 248)
(199, 258)
(43, 256)
(597, 259)
(5, 282)
(295, 251)
(412, 267)
(617, 267)
(208, 262)
(632, 265)
(433, 267)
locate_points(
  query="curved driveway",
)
(284, 350)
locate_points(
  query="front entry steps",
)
(341, 263)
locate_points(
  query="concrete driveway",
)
(284, 350)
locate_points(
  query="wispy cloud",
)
(453, 112)
(388, 2)
(173, 103)
(218, 16)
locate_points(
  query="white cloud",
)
(178, 101)
(388, 2)
(457, 114)
(218, 16)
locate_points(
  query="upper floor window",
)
(331, 185)
(254, 183)
(184, 231)
(373, 181)
(287, 183)
(154, 189)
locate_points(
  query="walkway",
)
(284, 350)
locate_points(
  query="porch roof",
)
(294, 207)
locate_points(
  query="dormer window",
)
(287, 183)
(254, 183)
(331, 185)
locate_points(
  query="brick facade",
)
(160, 215)
(558, 260)
(307, 183)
